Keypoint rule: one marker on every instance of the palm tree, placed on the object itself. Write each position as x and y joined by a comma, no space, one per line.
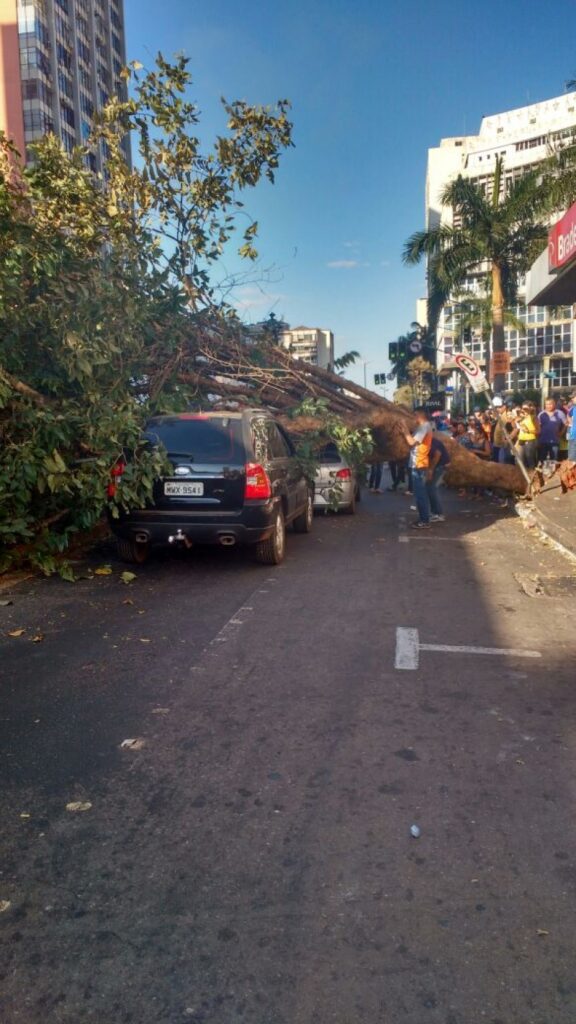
497,235
346,360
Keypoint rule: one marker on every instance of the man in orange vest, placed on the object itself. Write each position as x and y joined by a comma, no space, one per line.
420,443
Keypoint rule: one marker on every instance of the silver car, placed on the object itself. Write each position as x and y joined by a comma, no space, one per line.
336,485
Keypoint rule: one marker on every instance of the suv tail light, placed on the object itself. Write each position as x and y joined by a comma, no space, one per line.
344,474
115,474
257,482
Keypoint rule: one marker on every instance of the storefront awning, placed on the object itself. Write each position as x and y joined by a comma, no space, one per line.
546,289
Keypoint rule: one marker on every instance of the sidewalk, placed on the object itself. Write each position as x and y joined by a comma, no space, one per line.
555,514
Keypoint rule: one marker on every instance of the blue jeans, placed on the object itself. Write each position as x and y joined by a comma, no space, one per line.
421,494
572,450
432,491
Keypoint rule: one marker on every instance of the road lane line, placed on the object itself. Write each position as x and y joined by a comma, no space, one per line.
407,649
505,651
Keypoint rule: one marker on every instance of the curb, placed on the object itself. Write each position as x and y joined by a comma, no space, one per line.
563,539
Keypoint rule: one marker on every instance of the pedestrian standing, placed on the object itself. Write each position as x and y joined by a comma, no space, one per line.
439,460
528,430
397,469
375,477
420,443
571,430
552,423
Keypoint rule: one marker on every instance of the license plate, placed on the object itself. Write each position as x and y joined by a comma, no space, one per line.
181,490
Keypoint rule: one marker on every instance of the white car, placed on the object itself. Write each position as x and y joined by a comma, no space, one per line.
336,484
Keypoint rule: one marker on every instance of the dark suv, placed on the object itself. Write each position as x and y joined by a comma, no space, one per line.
235,480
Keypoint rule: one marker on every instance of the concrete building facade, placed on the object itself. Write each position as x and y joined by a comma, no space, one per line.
313,344
60,62
522,138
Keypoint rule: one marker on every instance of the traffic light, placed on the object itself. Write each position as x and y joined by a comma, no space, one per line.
379,378
393,351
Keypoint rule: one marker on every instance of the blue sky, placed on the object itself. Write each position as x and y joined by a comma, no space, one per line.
373,83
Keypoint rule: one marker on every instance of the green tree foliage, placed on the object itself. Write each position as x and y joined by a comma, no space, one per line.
105,296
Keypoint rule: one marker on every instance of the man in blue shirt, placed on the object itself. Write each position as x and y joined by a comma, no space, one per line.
552,422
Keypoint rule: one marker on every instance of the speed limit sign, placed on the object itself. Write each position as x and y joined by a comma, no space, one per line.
473,371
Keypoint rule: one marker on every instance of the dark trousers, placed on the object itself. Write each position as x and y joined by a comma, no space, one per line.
432,489
397,472
421,494
548,450
375,476
528,453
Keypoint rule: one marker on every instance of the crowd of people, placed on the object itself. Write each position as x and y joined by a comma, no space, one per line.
507,434
520,432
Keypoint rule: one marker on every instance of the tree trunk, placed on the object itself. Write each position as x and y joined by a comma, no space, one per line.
498,339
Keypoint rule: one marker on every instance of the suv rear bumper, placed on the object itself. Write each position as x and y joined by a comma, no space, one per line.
247,526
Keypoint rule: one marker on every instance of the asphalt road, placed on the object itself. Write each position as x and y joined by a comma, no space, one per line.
253,863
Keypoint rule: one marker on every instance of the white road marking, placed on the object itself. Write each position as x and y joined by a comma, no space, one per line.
403,539
408,649
513,652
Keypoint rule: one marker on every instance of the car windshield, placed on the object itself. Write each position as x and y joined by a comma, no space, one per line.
202,440
329,455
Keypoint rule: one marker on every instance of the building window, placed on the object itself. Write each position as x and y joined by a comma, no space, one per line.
67,115
64,56
69,141
37,122
84,52
65,85
565,375
86,105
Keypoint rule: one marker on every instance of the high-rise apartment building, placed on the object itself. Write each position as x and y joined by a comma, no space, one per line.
60,61
522,138
314,344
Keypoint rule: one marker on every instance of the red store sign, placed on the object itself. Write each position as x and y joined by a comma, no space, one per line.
562,241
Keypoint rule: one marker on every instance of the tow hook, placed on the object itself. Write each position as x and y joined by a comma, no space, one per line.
180,538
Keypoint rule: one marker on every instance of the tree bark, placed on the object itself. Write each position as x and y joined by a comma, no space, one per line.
498,338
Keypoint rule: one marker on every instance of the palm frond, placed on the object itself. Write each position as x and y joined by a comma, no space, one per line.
426,243
467,200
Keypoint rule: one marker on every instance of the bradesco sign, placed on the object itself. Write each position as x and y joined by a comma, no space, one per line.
562,241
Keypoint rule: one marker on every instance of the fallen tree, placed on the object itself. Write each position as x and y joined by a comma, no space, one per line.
228,368
108,316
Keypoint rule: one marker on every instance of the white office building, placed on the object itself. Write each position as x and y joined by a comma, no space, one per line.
522,138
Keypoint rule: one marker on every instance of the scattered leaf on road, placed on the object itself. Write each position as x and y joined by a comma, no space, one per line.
127,577
160,711
144,640
135,744
24,814
4,604
4,906
38,638
16,632
542,932
104,570
76,806
128,600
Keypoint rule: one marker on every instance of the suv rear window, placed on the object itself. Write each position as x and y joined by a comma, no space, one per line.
203,440
329,455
